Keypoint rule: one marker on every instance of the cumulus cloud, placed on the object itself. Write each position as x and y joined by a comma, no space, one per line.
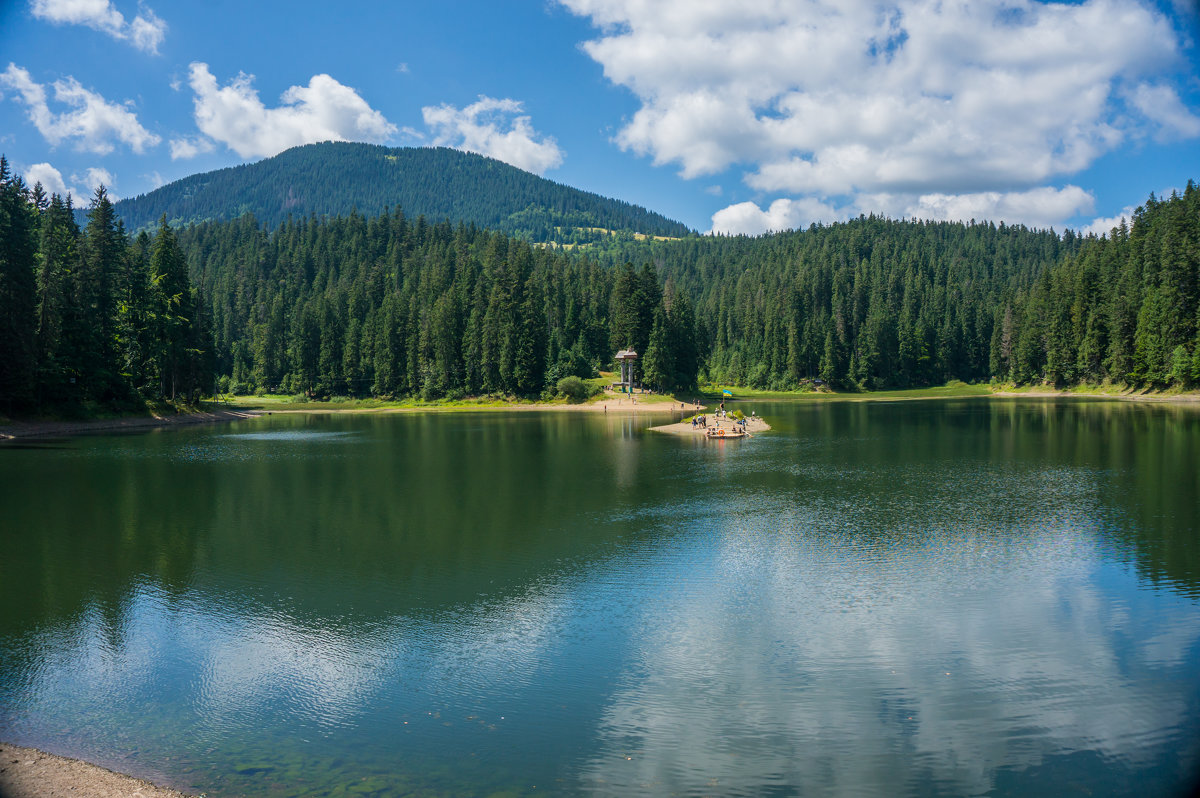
746,218
912,97
50,178
189,147
93,122
80,188
145,32
94,177
1161,105
324,110
1039,208
1103,225
494,128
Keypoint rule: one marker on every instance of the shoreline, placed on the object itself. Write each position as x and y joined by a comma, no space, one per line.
32,773
610,406
1187,397
14,430
21,429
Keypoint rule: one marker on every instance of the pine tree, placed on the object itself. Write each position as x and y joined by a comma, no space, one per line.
18,293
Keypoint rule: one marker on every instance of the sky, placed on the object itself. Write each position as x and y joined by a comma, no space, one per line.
732,116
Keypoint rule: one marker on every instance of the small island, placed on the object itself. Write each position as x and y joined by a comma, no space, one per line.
718,426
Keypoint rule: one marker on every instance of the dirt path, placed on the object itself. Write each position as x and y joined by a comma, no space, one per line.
30,773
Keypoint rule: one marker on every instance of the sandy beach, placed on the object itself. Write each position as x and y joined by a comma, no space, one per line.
30,773
754,424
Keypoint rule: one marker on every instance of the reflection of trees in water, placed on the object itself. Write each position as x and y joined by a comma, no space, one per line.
422,506
1141,462
860,539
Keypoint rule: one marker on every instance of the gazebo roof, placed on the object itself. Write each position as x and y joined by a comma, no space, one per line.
626,354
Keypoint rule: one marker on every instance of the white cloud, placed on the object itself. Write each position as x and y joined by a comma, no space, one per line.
93,122
1037,208
491,127
51,179
189,147
80,188
1103,225
324,110
144,32
93,178
746,218
915,97
1040,208
1161,104
156,180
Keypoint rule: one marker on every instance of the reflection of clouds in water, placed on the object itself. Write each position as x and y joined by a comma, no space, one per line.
252,665
231,669
793,665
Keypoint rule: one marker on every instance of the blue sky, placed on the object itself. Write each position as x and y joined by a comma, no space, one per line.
735,116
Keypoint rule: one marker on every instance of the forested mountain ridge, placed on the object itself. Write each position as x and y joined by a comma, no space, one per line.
397,306
336,178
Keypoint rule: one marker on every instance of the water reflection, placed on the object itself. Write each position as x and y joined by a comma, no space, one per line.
788,666
934,598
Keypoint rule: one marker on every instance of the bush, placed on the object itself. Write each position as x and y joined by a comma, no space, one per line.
573,388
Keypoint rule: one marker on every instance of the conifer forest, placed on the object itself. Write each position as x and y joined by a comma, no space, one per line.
390,305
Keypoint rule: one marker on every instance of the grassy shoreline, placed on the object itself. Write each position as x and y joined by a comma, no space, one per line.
956,390
227,409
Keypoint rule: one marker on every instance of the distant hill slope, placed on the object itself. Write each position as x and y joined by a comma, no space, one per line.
334,178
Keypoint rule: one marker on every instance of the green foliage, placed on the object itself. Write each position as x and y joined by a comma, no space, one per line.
340,178
1121,309
90,319
392,306
573,388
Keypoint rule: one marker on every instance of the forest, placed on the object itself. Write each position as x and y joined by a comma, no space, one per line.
336,178
393,306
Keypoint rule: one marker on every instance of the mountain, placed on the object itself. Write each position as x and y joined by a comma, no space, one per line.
335,178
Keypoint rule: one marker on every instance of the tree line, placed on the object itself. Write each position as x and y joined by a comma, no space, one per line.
89,315
878,303
394,306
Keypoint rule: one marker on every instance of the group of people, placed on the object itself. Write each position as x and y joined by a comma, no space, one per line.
701,422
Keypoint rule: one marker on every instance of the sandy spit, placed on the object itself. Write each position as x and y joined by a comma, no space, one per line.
35,429
754,424
30,773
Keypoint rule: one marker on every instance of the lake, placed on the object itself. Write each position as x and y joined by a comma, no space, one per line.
957,597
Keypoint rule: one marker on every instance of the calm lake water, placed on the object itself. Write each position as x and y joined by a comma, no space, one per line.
921,598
